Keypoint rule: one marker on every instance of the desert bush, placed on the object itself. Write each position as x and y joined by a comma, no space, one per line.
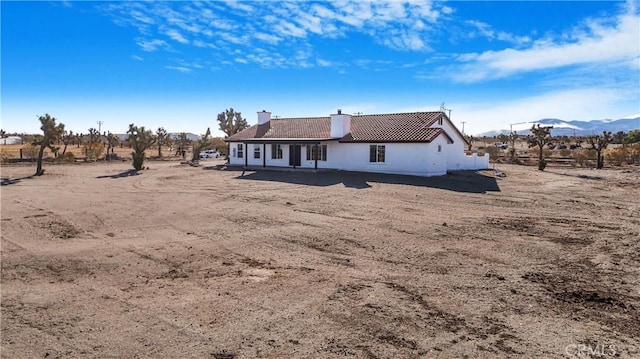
492,151
30,151
624,155
67,157
542,164
93,150
565,152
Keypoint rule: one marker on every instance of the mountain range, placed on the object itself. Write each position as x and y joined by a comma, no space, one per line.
574,128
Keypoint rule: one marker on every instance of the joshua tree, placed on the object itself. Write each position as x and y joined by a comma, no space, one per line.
540,136
66,139
513,136
231,122
599,143
163,139
93,146
52,134
204,142
182,148
140,141
470,140
112,141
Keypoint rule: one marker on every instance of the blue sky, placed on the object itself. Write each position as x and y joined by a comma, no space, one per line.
178,64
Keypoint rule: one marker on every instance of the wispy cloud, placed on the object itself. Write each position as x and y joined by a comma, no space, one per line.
176,36
289,25
597,41
184,70
152,45
137,58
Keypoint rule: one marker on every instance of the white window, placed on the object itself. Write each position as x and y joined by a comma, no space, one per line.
440,121
256,151
317,152
240,150
276,151
376,153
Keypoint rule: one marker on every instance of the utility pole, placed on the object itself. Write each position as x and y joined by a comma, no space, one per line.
99,126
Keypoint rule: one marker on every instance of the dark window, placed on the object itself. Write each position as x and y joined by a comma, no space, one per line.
256,151
276,151
240,150
318,152
376,153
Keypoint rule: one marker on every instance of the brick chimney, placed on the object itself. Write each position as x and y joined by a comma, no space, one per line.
264,117
340,124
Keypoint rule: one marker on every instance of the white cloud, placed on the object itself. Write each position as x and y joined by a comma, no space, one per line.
151,45
184,70
597,42
137,58
176,36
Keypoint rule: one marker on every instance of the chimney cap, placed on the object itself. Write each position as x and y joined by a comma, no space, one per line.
339,111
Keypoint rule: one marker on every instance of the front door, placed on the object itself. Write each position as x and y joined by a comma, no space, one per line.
295,152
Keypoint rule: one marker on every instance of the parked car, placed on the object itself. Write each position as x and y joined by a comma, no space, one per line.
501,145
210,154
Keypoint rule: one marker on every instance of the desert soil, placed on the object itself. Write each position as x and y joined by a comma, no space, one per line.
179,261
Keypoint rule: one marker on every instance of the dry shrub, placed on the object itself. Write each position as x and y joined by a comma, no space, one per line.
628,155
93,151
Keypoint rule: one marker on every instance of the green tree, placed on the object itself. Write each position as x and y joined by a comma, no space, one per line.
140,140
52,134
632,137
540,136
599,143
163,139
231,122
201,144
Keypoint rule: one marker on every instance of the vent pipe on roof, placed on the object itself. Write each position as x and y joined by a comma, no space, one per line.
339,111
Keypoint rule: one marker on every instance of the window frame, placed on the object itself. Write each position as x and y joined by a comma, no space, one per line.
276,151
256,151
377,154
240,151
317,151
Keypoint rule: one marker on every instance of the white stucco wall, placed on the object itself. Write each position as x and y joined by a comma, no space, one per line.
420,159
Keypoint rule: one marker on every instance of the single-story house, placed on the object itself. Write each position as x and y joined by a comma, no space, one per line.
416,143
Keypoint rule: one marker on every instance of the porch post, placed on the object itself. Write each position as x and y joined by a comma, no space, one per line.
264,155
295,147
317,154
246,154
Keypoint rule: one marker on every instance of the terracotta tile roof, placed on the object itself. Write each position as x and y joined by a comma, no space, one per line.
397,127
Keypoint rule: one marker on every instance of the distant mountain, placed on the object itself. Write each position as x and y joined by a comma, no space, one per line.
575,128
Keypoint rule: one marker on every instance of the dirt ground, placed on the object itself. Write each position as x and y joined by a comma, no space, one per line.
198,262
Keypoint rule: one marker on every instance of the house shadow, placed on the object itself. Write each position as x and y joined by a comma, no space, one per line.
459,181
124,174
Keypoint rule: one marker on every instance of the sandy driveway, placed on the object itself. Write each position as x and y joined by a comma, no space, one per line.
182,261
